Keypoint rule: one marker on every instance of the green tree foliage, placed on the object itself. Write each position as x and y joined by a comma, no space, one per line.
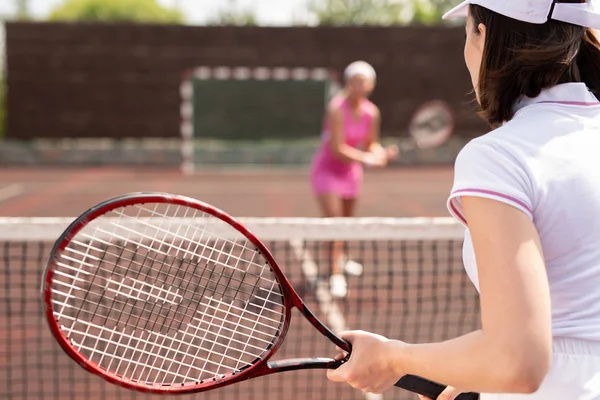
22,7
428,12
357,12
233,14
137,11
378,12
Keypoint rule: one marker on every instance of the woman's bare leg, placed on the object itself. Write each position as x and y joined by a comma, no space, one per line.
347,265
331,207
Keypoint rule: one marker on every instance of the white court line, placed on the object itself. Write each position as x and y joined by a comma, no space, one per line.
10,191
335,318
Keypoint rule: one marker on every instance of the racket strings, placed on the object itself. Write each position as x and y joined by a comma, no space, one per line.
132,261
232,278
162,296
167,295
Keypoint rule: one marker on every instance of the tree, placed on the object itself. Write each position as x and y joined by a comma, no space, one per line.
233,14
22,9
429,12
437,8
139,11
357,12
378,12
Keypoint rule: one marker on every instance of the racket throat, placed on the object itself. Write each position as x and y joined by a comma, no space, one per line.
295,364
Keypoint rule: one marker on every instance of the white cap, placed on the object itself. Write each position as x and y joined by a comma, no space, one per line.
360,68
536,11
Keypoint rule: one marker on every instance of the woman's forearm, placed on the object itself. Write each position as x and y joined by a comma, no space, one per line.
472,363
349,153
375,147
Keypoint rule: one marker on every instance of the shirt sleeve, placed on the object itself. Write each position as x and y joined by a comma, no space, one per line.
486,170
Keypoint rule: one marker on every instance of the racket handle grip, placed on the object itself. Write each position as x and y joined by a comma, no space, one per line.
428,388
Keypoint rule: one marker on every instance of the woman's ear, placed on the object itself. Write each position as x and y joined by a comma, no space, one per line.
481,30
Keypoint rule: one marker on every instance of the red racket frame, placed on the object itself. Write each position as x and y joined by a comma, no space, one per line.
262,366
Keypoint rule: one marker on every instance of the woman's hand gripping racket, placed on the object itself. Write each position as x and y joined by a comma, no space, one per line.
166,294
431,126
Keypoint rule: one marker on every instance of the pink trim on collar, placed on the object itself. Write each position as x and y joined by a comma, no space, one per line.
571,103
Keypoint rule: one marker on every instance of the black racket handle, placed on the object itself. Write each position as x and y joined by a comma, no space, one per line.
412,383
428,388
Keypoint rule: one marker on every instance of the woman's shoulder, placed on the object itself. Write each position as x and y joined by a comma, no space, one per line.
520,133
336,103
506,148
370,108
491,143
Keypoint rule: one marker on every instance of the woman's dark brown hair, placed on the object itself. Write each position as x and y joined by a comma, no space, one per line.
520,59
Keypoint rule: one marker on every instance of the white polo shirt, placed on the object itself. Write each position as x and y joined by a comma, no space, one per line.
546,163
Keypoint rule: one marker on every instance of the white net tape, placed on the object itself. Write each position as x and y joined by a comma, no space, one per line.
49,229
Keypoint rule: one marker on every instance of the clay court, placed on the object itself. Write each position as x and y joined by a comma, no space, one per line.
66,192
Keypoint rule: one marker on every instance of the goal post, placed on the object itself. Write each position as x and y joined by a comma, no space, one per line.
258,103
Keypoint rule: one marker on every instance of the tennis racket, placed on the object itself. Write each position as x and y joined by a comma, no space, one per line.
431,126
165,294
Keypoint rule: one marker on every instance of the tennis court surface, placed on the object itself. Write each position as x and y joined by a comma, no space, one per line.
413,287
402,192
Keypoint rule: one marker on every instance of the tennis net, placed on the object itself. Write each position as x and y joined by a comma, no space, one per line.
412,288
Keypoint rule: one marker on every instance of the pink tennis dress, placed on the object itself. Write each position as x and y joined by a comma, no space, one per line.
330,175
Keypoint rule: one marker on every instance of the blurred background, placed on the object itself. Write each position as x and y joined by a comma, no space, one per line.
223,100
98,83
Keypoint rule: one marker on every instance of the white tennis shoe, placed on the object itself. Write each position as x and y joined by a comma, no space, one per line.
353,268
338,286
